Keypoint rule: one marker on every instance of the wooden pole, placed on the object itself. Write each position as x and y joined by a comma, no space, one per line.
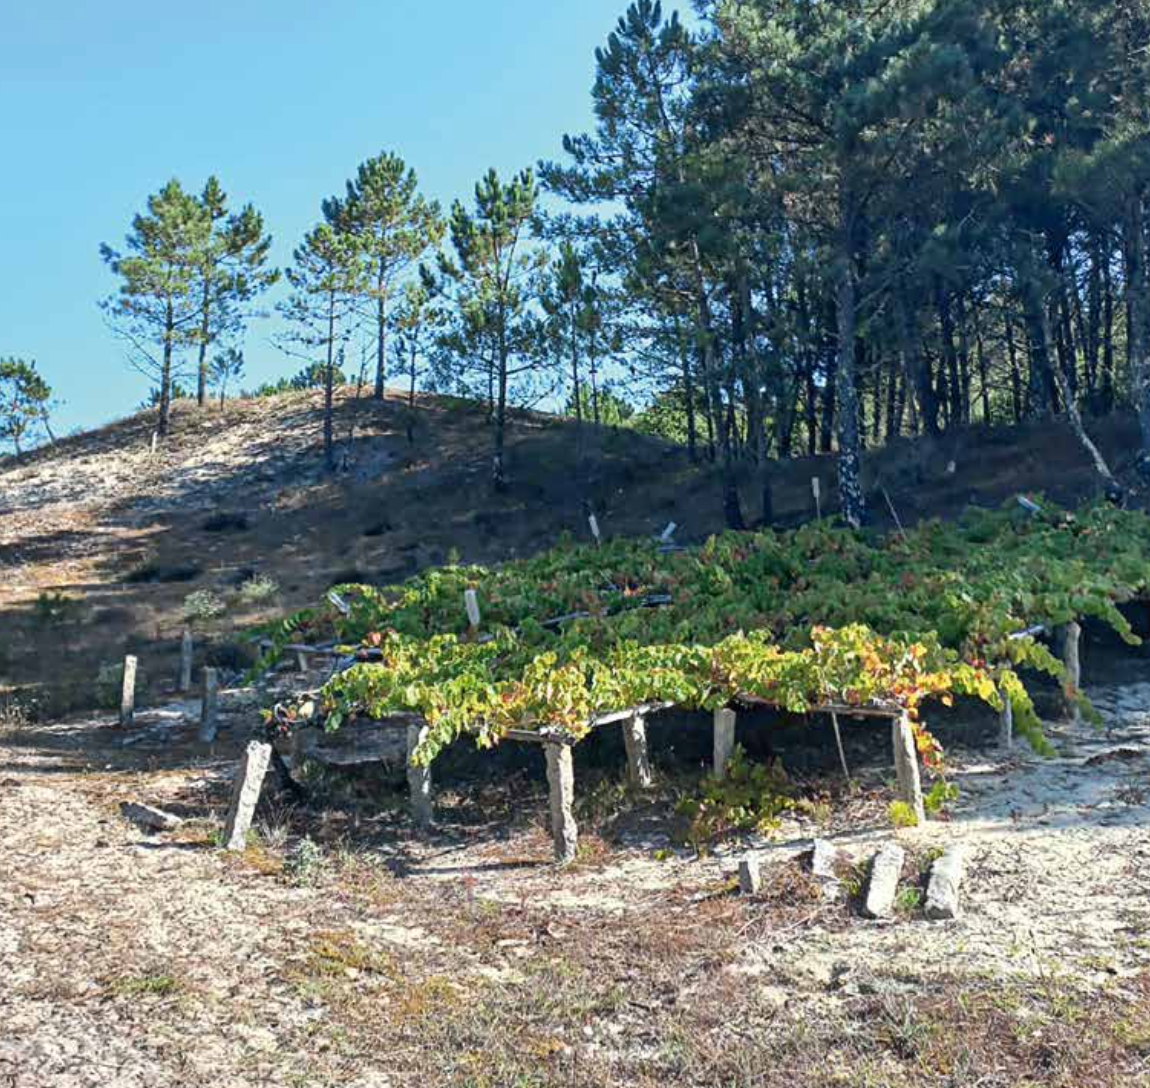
839,742
128,693
187,653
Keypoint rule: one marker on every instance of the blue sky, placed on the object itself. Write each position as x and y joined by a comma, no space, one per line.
100,103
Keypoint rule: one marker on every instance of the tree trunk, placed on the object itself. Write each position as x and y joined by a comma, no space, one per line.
1039,400
165,420
498,478
949,352
850,451
329,388
1138,308
205,329
381,331
732,507
1074,418
1015,372
983,368
688,393
1107,335
917,364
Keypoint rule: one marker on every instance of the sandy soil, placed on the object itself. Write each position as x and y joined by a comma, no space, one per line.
132,959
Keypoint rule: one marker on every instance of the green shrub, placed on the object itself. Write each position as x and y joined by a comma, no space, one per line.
258,589
749,797
203,605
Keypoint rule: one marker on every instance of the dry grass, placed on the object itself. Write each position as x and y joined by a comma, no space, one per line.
653,1001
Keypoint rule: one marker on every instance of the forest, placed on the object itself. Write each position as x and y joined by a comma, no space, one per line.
794,228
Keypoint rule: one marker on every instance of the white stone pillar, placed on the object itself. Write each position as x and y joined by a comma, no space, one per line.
724,740
418,779
128,693
246,794
638,755
906,766
561,780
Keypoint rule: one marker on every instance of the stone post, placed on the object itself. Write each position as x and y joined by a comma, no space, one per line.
209,707
885,872
1006,722
561,780
1071,657
724,740
246,794
418,779
187,649
942,893
638,757
906,766
128,693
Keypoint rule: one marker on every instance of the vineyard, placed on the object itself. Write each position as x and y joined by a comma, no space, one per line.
820,618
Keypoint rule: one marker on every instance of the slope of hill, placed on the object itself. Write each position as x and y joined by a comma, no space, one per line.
102,540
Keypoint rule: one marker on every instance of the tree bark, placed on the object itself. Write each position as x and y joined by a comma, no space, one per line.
1138,334
165,420
329,388
917,364
850,448
381,330
205,330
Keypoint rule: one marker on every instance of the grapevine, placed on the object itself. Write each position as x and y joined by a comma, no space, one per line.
803,619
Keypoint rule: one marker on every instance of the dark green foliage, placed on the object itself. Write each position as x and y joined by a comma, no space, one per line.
25,401
394,227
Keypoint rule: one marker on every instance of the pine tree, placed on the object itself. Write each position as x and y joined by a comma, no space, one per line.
417,321
326,279
25,400
495,273
395,227
231,273
156,309
227,367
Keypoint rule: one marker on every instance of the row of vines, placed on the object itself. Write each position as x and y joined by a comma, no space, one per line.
810,618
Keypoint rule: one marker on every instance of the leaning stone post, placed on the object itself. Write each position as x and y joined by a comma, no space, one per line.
246,794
